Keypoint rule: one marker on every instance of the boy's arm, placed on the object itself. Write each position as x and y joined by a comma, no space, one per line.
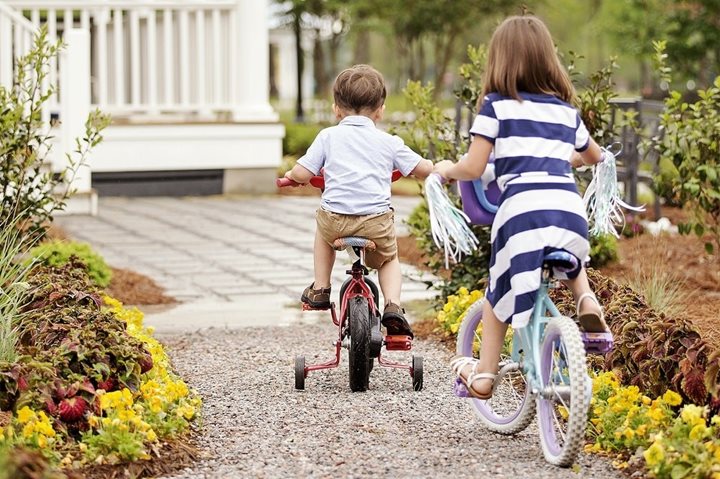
423,169
299,174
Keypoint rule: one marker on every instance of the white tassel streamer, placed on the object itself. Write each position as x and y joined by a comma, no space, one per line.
602,199
448,223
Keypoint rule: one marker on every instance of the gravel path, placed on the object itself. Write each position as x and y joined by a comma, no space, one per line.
256,425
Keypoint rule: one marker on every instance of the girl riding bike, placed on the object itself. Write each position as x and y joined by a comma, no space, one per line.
527,120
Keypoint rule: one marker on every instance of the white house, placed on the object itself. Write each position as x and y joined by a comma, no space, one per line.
186,82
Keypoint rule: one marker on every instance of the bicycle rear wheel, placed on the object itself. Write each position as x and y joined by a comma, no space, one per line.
510,409
359,355
564,400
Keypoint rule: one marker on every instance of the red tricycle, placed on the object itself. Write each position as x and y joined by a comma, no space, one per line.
359,320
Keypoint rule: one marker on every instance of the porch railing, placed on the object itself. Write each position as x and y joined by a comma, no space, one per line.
162,56
16,35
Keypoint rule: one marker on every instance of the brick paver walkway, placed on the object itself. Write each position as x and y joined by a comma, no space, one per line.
237,252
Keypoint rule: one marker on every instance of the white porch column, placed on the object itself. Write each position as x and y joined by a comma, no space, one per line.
75,108
252,67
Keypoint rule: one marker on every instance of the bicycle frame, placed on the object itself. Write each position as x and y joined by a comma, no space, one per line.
356,287
527,340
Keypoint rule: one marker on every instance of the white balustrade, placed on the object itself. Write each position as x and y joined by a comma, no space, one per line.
165,56
15,40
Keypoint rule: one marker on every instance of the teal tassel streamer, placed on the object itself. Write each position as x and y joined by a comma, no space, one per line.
602,199
448,223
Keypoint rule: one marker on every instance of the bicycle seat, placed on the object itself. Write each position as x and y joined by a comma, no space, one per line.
355,242
562,261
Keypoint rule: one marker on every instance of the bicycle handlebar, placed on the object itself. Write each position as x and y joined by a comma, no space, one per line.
319,181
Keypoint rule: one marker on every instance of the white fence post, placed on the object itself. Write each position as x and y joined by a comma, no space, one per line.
75,91
252,52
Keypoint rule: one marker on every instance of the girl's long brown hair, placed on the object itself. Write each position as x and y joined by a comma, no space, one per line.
522,58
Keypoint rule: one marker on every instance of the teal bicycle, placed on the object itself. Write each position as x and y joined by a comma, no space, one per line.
545,372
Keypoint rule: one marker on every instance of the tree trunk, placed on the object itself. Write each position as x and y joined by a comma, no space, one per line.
444,48
297,30
361,52
319,70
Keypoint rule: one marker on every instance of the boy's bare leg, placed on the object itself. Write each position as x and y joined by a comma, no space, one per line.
493,336
390,278
324,259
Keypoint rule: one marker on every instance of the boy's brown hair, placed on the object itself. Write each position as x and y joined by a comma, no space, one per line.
522,58
359,88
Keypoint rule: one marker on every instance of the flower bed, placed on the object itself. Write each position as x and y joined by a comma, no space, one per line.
90,385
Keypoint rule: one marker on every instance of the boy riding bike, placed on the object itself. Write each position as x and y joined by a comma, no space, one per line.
357,160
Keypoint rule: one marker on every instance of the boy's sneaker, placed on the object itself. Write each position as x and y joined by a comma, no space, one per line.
394,321
316,298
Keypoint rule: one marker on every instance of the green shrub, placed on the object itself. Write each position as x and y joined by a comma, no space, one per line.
299,137
12,288
603,250
691,141
58,253
32,191
433,135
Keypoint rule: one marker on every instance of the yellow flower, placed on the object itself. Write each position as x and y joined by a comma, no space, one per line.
25,414
693,415
654,454
672,398
698,432
151,436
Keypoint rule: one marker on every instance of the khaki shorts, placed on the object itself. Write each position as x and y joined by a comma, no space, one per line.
379,227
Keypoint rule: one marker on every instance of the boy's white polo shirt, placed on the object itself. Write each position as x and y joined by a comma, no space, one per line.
358,160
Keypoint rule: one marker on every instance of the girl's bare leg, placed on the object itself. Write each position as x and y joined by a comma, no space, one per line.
493,336
579,286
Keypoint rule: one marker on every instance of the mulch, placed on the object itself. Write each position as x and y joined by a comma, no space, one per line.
133,288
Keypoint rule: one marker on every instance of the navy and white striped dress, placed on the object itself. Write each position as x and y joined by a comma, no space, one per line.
540,208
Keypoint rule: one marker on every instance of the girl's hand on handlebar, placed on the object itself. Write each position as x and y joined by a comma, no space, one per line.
442,168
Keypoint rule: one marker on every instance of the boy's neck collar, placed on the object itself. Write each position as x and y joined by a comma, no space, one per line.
360,120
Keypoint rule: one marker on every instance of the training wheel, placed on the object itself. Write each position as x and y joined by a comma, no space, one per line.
300,372
417,372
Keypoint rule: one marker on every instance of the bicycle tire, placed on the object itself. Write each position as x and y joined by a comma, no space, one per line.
567,386
511,409
359,352
300,372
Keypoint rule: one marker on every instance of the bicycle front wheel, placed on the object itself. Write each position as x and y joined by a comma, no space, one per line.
510,409
564,400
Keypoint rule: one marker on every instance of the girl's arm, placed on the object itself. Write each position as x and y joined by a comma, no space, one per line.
591,156
471,166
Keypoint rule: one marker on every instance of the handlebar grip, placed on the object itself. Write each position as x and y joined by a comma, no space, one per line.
280,182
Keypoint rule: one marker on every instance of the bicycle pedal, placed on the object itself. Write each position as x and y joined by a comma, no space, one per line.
597,343
460,390
307,307
398,343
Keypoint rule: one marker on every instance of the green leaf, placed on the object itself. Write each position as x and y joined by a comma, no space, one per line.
679,471
709,248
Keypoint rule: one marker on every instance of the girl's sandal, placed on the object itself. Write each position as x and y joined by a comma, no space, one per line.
458,363
596,334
